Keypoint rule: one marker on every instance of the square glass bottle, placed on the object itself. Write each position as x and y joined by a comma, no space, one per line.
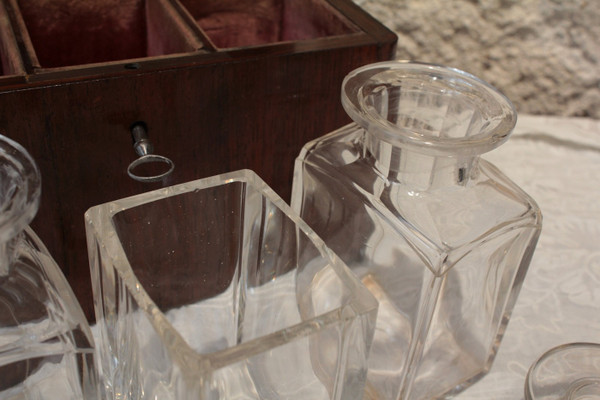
440,236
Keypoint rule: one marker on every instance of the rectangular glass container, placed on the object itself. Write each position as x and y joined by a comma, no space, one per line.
214,289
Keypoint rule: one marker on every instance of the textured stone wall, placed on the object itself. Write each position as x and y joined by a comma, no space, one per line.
543,54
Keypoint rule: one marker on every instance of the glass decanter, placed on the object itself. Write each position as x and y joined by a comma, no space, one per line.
440,236
46,347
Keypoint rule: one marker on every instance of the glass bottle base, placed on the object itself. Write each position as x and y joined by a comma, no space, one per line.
567,372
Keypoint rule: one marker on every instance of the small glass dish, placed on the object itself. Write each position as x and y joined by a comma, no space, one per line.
215,289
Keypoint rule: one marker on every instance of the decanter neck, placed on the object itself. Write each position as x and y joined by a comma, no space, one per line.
426,125
20,188
418,171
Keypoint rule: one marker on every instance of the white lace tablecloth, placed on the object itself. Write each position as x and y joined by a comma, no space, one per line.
556,161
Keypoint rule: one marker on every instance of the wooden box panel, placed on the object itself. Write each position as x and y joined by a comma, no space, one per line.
209,109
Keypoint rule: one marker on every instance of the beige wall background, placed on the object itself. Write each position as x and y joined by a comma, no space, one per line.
543,54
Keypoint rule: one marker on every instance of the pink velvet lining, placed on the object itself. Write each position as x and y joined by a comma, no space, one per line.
72,32
238,23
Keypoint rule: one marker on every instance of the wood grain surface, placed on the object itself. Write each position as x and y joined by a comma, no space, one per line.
210,111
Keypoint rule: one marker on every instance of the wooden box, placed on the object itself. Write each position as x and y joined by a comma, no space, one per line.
221,85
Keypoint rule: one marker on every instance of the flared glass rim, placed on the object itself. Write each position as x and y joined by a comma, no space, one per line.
99,217
21,202
530,390
489,137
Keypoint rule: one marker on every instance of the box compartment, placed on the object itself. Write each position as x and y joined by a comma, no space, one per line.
63,33
241,23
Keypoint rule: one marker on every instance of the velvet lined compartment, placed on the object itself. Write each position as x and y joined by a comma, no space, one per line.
239,23
71,32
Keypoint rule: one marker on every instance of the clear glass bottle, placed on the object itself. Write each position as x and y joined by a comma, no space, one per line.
46,347
214,290
440,236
